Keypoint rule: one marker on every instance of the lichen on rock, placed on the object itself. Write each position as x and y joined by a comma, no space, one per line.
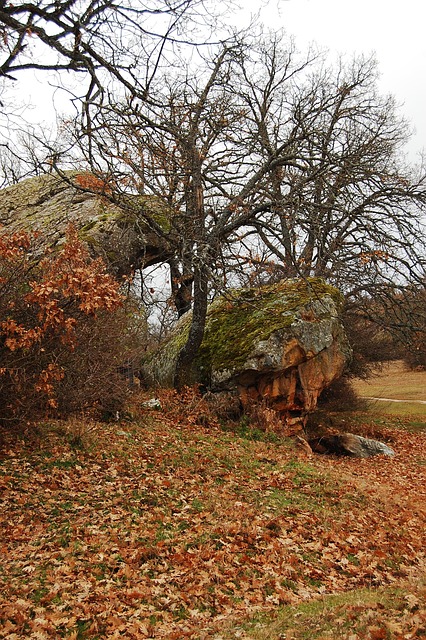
283,343
117,230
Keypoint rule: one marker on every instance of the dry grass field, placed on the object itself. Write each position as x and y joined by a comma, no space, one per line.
395,382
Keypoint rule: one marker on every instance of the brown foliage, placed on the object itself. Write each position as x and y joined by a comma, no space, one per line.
64,330
170,529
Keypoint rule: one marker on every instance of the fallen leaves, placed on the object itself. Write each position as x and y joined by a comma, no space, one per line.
168,529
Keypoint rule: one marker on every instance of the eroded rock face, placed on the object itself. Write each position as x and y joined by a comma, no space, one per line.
283,343
115,231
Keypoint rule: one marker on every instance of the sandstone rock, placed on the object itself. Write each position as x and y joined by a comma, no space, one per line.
349,444
118,232
282,343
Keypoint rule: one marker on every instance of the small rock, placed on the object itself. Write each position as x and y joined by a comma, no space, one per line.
349,444
154,403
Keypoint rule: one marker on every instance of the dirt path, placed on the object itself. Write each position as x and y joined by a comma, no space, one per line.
393,400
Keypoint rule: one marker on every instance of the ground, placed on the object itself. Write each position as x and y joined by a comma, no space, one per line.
393,384
167,524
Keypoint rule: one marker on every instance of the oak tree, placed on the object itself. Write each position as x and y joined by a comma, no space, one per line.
267,160
122,42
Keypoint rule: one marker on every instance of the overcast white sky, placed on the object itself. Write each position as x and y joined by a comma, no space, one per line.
392,29
395,30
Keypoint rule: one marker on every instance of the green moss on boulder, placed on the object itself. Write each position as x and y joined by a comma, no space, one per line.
237,324
253,332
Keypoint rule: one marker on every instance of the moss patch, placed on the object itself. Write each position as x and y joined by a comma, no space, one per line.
159,212
237,322
51,202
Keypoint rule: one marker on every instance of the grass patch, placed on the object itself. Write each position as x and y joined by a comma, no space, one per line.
371,424
363,613
245,430
394,381
398,408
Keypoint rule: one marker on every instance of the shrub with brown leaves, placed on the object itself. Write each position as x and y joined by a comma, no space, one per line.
65,329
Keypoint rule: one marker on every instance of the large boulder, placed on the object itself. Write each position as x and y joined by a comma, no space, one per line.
118,231
282,344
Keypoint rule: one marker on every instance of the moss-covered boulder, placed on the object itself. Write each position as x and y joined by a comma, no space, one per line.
282,343
119,232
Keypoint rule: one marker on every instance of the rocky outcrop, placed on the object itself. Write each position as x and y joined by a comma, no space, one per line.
120,232
349,444
282,344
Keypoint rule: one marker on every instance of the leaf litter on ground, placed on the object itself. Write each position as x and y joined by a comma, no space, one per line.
165,528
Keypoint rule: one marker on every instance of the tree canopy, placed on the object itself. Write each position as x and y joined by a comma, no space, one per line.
105,40
274,163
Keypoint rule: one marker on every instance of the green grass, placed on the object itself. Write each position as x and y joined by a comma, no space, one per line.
362,613
397,408
395,382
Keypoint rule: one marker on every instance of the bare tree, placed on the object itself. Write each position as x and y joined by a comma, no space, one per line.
103,39
261,148
93,50
347,208
163,146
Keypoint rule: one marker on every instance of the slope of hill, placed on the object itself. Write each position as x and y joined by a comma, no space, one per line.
169,526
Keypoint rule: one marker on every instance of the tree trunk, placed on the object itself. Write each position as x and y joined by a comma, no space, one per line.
196,212
189,351
181,285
